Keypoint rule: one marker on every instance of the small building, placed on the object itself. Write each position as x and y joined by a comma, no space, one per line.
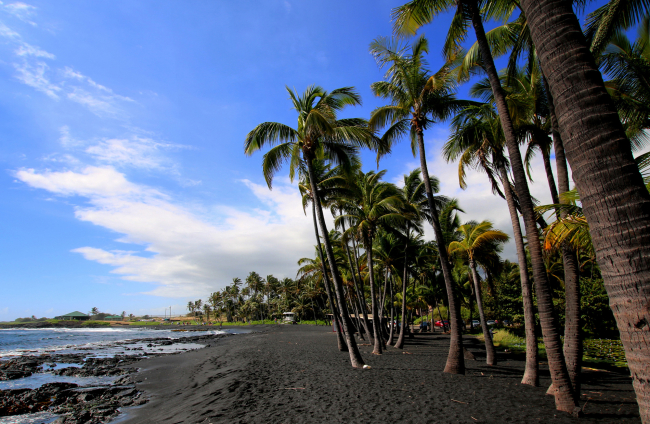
113,318
73,316
289,317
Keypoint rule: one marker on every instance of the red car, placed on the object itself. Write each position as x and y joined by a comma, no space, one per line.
439,323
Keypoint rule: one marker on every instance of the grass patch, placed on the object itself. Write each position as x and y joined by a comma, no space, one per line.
596,351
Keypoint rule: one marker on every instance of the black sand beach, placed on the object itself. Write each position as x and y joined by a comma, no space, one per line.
295,374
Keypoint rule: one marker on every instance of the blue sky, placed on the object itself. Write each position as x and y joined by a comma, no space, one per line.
124,183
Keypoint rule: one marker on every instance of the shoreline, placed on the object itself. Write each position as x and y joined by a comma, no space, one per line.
296,374
87,385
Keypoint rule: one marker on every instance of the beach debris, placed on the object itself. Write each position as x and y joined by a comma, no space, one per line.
367,367
454,400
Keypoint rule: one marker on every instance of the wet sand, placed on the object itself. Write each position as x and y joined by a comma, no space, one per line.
295,374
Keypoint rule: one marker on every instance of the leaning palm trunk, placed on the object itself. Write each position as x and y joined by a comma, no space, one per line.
489,346
455,359
614,198
376,324
573,348
531,375
343,347
565,399
355,355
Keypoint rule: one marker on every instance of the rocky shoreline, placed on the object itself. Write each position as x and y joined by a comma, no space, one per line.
75,403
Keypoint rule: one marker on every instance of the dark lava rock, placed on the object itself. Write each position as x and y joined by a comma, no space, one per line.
18,368
78,404
25,401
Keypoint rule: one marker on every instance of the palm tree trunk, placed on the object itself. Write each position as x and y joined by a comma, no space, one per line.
549,176
489,346
392,314
355,355
573,348
356,288
531,374
376,326
362,299
343,347
565,399
400,339
455,359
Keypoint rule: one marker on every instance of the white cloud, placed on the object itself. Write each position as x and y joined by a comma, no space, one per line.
94,182
32,71
185,252
22,11
33,74
25,49
7,32
98,105
135,151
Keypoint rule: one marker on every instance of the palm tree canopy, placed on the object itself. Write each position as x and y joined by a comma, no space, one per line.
476,236
319,133
417,97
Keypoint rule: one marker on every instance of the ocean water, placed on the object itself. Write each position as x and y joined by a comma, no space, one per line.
102,341
93,343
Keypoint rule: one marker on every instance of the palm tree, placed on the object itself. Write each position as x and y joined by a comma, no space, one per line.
216,301
416,206
206,311
191,307
475,238
615,200
410,17
378,204
328,183
319,134
387,252
418,100
478,143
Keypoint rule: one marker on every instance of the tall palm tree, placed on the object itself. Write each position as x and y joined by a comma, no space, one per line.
379,204
418,99
328,184
477,142
320,133
515,36
410,17
615,200
416,208
475,238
